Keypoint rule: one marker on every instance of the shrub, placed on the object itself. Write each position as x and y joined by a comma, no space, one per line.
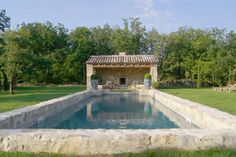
147,76
155,85
94,77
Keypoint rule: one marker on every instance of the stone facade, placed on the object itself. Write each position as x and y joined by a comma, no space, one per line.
153,72
89,72
114,74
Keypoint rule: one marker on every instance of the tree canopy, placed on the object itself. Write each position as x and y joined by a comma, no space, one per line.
44,53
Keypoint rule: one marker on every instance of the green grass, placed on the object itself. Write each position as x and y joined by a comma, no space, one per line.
220,100
25,96
162,153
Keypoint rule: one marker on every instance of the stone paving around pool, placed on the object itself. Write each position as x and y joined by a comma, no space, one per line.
89,142
216,129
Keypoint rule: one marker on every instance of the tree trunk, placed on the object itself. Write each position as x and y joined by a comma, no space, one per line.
198,77
46,77
84,74
229,76
11,87
179,70
5,82
0,85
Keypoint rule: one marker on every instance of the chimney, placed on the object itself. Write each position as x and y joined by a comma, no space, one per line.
122,53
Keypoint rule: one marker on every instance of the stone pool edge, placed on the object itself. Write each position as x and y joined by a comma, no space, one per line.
201,115
113,141
26,116
100,141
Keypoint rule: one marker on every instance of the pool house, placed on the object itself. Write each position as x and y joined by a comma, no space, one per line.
115,71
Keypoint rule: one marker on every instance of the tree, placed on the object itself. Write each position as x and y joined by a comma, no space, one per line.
4,21
204,56
120,39
44,53
131,38
102,40
173,50
137,43
81,47
41,44
152,41
231,56
59,53
4,24
14,58
47,45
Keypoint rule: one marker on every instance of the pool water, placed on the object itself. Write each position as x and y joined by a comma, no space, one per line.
115,111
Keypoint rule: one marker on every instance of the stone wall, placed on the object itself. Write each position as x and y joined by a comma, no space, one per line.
153,72
113,74
89,72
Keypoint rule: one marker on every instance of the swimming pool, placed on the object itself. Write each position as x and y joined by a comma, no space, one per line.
56,126
115,111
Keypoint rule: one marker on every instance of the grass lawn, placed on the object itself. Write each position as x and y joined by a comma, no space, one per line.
171,153
25,96
220,100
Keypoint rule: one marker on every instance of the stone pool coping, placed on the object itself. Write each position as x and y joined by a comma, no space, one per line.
219,129
201,115
26,116
99,141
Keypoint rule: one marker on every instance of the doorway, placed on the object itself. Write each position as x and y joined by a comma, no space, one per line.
122,81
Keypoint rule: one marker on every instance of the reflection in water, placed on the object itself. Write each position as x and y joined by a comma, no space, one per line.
116,111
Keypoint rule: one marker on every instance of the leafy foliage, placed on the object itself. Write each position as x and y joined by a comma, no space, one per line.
203,56
147,76
155,85
43,53
94,77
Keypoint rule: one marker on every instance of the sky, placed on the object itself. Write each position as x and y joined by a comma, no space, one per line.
164,15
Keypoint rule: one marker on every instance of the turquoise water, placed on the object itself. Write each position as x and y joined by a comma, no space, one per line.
113,112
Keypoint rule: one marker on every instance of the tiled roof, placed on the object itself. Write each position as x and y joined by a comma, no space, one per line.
122,59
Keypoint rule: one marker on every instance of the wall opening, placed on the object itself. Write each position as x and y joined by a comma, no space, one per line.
122,81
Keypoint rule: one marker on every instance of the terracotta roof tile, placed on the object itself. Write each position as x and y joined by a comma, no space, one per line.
122,59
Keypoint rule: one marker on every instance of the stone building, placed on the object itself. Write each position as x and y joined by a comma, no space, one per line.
122,69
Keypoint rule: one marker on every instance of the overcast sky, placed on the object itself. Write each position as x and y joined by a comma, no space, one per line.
165,15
